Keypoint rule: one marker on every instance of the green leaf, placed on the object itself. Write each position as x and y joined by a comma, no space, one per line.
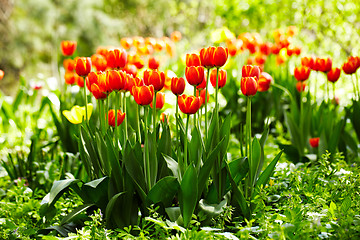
346,205
164,191
76,214
188,193
225,134
263,139
97,191
212,210
212,134
267,173
58,188
195,148
238,169
355,116
206,168
239,196
255,160
173,166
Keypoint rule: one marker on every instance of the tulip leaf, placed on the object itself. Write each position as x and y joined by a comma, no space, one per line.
164,191
195,148
188,193
116,172
255,159
96,191
238,169
173,166
225,134
239,195
267,173
76,214
58,188
355,116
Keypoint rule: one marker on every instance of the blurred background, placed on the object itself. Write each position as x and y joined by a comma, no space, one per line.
31,31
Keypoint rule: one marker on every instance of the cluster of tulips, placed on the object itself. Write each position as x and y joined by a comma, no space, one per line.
325,65
259,51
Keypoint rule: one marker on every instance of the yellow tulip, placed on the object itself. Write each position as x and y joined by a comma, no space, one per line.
77,114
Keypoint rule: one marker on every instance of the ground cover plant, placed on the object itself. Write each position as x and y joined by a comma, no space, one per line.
247,136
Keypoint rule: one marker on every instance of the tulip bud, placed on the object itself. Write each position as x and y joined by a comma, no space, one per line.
177,85
333,75
189,104
116,58
194,75
314,142
83,66
264,82
249,86
111,117
68,47
302,73
221,78
143,95
160,100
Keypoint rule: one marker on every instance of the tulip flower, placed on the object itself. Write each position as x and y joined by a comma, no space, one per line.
71,78
194,75
176,36
103,82
160,100
83,66
69,64
300,86
77,114
214,56
80,81
265,48
249,86
251,71
202,96
153,63
68,47
308,62
264,82
98,94
349,67
189,104
177,85
143,95
323,64
116,80
116,58
221,78
314,142
1,74
99,61
193,60
333,75
155,78
126,42
131,69
111,117
302,73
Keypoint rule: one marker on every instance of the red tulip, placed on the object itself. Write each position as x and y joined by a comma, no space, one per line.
193,60
314,142
111,117
221,78
265,48
102,51
153,63
116,58
264,82
143,95
155,78
68,47
1,74
202,85
250,71
189,104
80,81
95,90
206,57
308,62
160,100
249,86
300,86
103,82
91,78
177,85
116,80
70,78
351,65
69,64
131,69
323,64
83,66
99,61
275,49
194,75
302,73
202,96
334,74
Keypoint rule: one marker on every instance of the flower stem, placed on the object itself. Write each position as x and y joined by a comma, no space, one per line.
138,123
206,93
186,140
154,112
116,118
126,122
86,102
195,113
248,132
216,95
146,152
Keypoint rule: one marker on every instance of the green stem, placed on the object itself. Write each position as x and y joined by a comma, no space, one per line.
334,91
186,140
116,118
126,122
195,113
316,79
106,109
146,152
248,133
301,120
86,102
138,123
177,133
154,112
100,115
285,90
216,95
206,93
